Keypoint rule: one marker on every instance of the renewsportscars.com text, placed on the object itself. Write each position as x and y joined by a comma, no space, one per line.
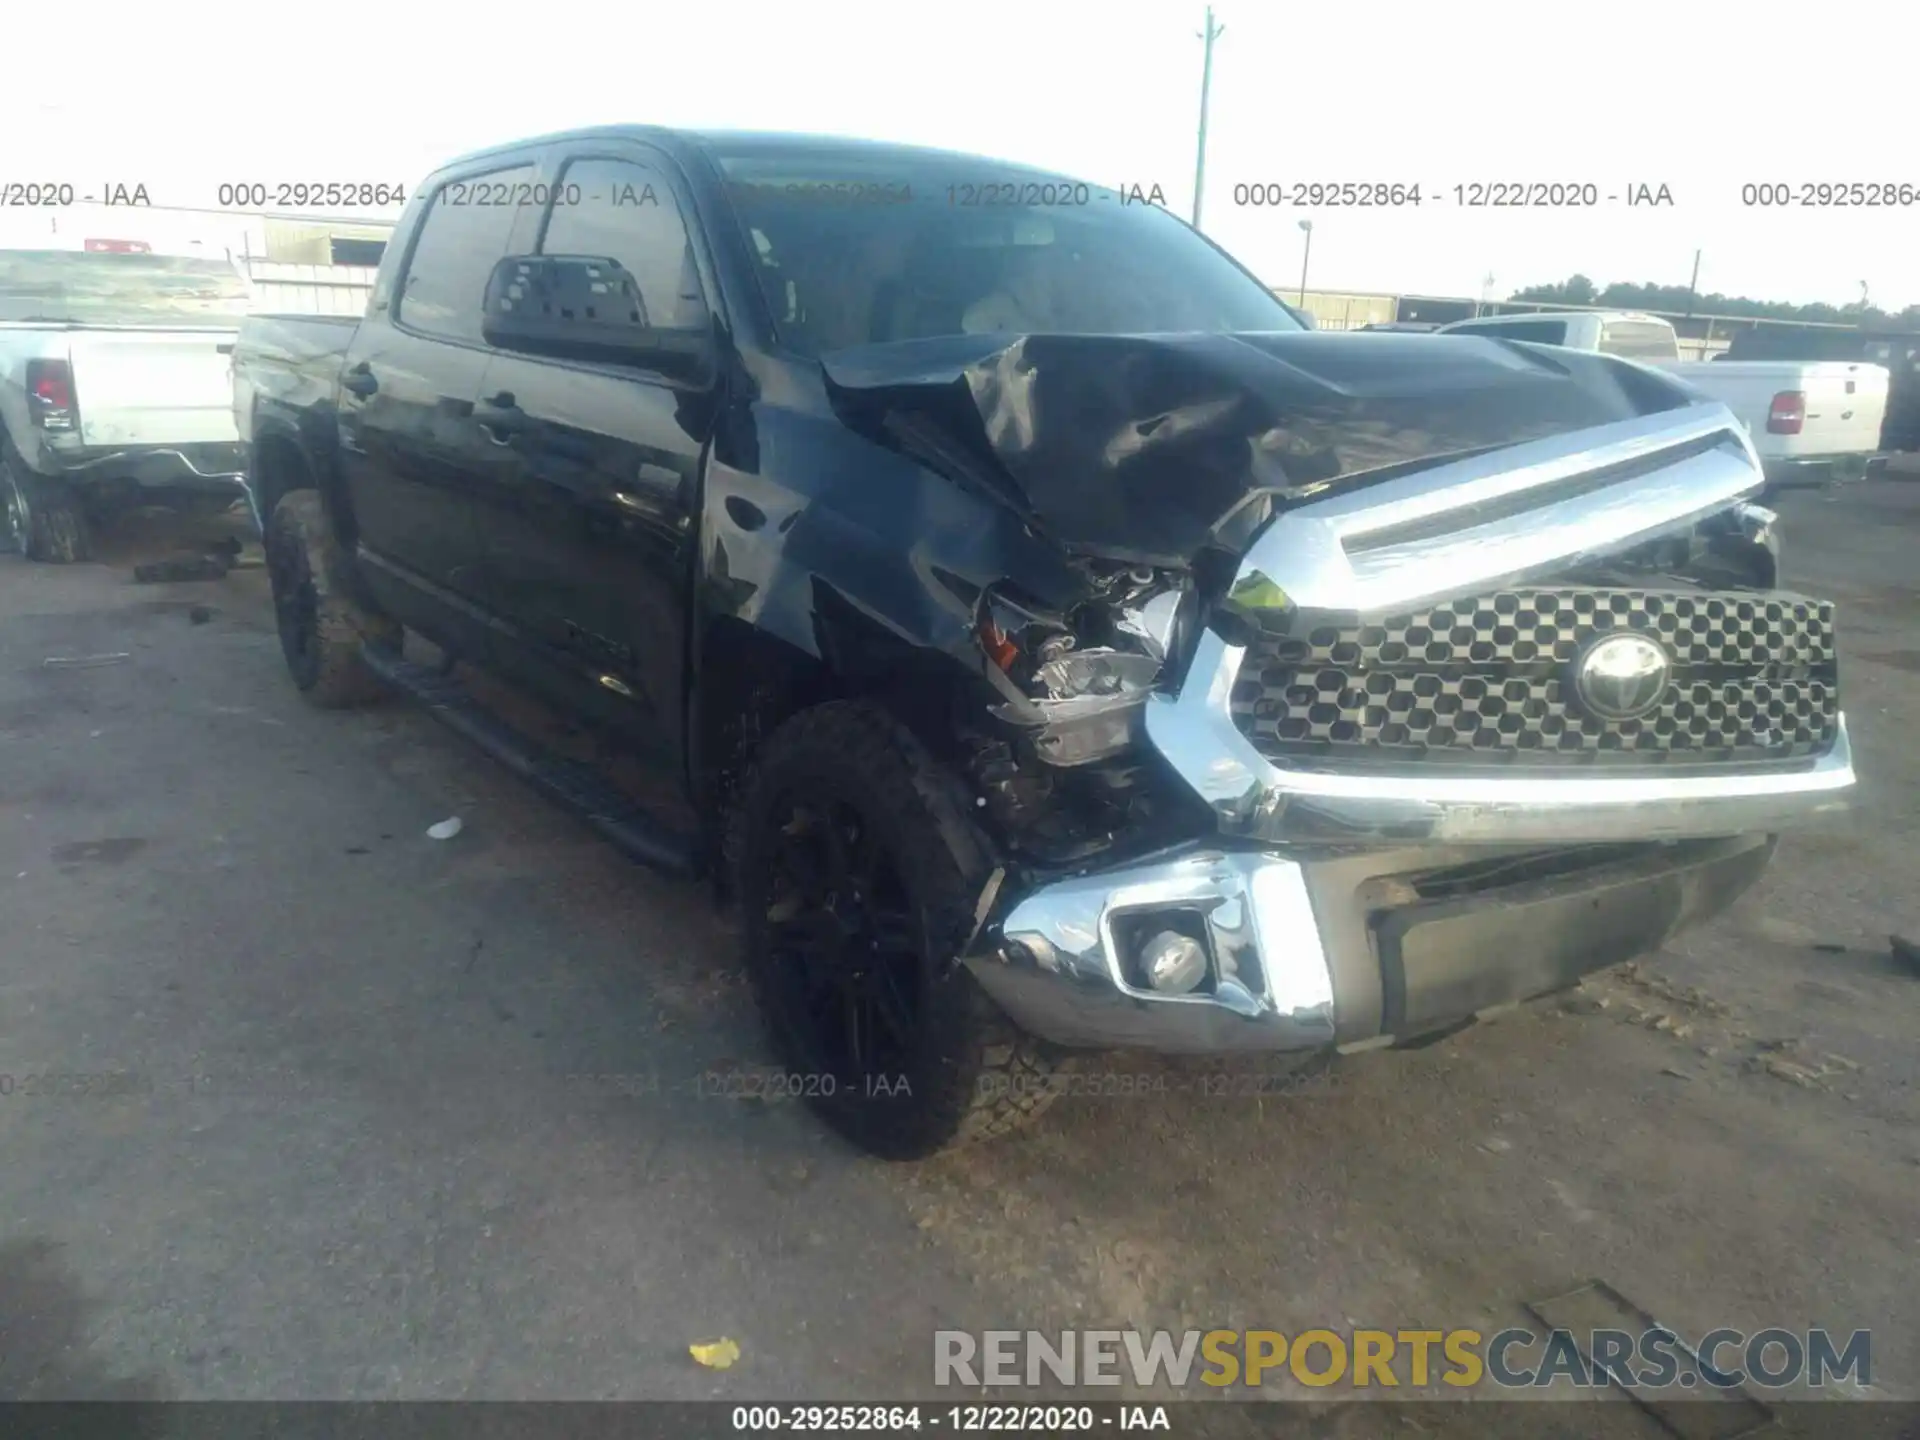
1655,1358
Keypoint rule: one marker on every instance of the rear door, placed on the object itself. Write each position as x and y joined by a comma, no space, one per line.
410,449
154,387
589,529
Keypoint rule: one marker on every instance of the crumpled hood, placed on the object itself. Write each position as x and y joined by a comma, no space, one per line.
1139,447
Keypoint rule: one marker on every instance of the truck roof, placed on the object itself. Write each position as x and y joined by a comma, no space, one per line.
764,142
1520,316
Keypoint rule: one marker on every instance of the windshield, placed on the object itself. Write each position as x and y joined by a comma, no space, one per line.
857,248
94,288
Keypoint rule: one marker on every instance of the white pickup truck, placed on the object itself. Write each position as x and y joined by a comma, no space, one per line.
114,385
1809,420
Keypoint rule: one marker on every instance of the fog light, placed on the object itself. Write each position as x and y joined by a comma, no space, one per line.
1173,963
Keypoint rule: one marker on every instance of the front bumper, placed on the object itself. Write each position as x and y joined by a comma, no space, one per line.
1343,950
1345,907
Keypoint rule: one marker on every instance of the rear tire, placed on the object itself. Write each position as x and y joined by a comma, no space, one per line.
858,877
321,628
46,520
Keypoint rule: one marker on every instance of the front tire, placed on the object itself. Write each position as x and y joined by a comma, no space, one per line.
321,628
45,519
858,876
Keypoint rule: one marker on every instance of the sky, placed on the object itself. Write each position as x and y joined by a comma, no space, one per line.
1699,96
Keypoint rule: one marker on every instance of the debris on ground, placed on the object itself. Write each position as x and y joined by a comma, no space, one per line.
183,568
84,662
446,829
200,614
1583,1004
1906,951
715,1354
1689,997
1791,1061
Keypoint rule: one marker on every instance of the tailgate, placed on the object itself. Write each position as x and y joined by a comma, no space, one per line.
1846,404
154,387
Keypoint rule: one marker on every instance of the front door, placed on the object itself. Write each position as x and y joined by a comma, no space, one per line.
589,523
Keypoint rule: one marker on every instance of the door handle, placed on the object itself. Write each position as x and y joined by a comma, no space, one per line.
359,380
503,419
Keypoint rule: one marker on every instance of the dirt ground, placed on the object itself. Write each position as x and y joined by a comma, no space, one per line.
363,1161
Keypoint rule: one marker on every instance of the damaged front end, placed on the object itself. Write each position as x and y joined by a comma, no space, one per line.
1408,680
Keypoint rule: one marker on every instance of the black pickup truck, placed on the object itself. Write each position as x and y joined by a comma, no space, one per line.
1062,648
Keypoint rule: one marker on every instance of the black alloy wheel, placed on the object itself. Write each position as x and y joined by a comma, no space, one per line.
845,945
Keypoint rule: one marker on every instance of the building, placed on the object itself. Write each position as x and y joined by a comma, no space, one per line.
322,242
1701,337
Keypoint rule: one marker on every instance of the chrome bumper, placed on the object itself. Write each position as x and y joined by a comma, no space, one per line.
1312,946
1338,950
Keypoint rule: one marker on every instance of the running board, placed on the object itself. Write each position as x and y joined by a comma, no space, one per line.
635,831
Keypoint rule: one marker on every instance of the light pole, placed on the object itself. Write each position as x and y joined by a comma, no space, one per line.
1210,34
1307,227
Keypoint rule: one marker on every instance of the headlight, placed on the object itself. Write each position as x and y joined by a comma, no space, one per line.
1096,675
1078,682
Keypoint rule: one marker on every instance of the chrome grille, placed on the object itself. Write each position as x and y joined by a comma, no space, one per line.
1489,679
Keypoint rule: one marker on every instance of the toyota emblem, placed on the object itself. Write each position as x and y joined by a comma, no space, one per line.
1622,676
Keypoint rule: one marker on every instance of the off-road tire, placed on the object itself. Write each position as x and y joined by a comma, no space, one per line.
322,630
57,532
975,1075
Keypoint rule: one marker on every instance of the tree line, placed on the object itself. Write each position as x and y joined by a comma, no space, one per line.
1579,290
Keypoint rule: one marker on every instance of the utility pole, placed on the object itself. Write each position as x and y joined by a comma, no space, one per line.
1693,285
1209,35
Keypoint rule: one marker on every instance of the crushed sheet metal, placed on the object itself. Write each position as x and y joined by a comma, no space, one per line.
1707,1413
1145,447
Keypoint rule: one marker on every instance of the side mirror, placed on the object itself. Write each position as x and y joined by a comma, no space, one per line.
585,307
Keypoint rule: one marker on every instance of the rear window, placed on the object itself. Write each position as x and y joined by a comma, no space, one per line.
1536,332
103,288
1638,340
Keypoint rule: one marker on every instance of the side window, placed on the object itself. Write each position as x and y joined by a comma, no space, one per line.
1640,340
626,212
463,236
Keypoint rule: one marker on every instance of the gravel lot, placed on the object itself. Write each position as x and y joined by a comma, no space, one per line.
361,1159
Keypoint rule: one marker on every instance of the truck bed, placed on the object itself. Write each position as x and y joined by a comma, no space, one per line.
287,360
139,385
1846,402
